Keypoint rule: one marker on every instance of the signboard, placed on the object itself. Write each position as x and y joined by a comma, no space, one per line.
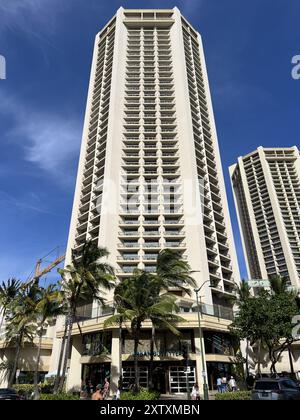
259,283
168,353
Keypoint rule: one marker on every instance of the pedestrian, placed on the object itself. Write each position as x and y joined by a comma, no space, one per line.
224,384
219,384
196,392
84,391
106,388
97,396
232,384
90,387
118,394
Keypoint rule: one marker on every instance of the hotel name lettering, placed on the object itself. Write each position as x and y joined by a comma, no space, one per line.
167,353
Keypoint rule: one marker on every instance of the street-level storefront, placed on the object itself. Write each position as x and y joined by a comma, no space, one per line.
168,377
217,370
95,374
100,353
171,373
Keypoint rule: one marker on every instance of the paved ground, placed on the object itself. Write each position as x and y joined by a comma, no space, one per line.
183,397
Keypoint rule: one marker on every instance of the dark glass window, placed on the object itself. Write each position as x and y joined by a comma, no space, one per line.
219,343
97,344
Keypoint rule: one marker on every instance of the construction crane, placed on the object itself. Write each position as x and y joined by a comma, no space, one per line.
39,272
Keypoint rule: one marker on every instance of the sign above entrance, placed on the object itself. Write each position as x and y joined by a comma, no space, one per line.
167,353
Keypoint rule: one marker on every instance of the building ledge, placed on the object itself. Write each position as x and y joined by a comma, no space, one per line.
191,322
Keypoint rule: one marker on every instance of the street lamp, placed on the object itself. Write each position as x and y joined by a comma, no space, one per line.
199,311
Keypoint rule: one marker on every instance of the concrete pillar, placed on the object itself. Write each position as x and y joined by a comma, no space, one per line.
74,375
115,371
199,367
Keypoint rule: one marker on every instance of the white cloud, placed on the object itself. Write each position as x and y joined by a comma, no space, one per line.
49,141
27,202
52,141
17,13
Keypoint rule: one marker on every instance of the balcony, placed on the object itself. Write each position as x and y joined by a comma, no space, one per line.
151,222
129,233
150,257
152,233
129,245
215,310
129,257
175,245
151,245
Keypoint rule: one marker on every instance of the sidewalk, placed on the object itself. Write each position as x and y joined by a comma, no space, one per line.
183,397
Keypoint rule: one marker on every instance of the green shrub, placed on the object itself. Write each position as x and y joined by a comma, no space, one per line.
56,397
27,389
144,395
24,389
234,396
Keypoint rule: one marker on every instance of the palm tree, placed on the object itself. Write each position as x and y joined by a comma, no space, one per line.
243,294
138,299
21,323
171,272
278,284
85,279
48,307
8,291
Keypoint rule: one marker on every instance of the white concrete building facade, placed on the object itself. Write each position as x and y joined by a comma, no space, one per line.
150,178
266,186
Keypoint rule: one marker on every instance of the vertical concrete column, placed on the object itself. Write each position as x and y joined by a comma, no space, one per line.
199,367
115,372
74,375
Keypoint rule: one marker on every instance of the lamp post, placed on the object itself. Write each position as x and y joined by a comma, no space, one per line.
199,311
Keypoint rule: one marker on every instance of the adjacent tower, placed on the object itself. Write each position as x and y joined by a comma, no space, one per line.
266,185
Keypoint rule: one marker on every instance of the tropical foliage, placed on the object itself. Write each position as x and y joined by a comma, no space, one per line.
86,279
145,296
266,319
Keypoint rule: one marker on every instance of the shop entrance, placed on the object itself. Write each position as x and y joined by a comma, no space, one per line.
216,370
180,378
160,377
95,374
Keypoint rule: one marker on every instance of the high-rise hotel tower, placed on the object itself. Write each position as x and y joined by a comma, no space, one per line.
266,185
150,178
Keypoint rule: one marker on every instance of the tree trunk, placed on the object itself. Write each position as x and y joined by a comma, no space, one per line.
291,360
247,358
259,358
61,355
67,351
136,362
151,385
273,360
2,319
38,358
16,362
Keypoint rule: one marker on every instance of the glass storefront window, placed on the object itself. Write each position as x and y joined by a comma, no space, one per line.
97,344
219,343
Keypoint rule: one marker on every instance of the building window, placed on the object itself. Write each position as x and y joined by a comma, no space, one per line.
97,344
219,343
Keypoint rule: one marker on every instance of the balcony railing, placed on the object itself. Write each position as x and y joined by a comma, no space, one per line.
216,311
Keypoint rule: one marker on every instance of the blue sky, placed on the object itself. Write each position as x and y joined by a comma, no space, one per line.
48,47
